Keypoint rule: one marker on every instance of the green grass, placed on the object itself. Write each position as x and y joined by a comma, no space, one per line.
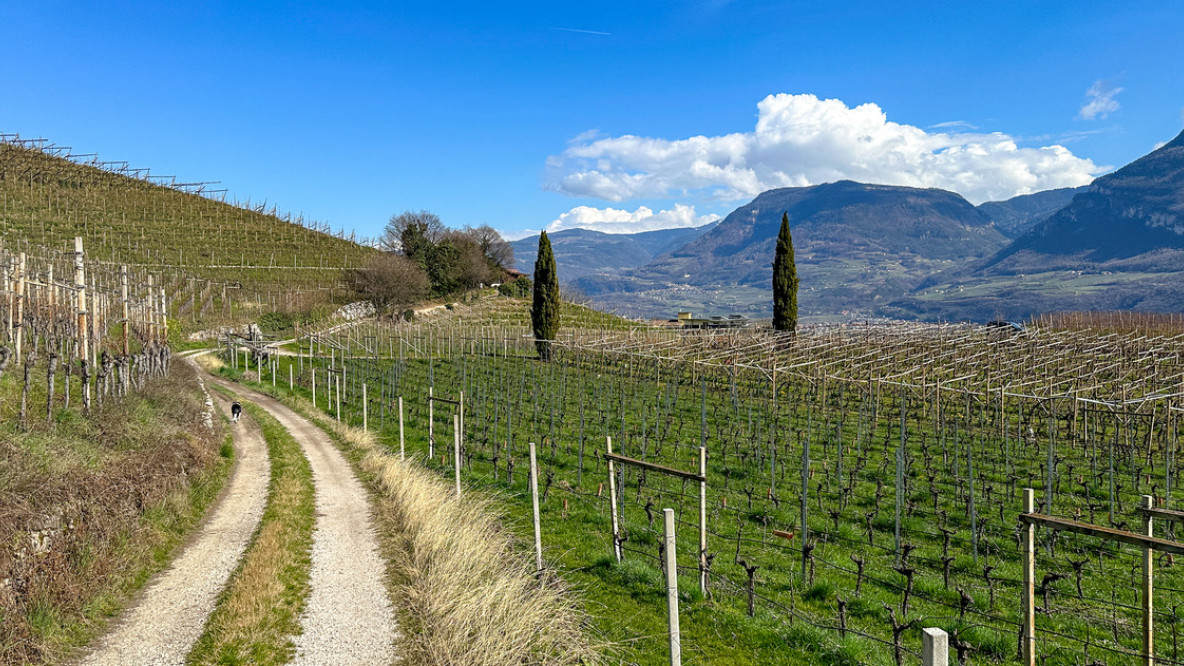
259,611
796,621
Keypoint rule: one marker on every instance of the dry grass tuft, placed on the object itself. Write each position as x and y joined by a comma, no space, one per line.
470,594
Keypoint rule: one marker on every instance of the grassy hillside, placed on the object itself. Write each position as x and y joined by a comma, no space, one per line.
270,262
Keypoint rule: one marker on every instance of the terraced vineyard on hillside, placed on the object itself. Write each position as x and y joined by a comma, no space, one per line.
217,259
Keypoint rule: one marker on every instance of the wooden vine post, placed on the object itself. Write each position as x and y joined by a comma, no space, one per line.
151,307
20,302
80,287
127,349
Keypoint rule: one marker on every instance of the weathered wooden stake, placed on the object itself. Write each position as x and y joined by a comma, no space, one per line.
672,589
612,500
127,349
1029,590
20,298
534,500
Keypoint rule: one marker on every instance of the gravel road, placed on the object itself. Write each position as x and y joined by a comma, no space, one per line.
172,610
349,618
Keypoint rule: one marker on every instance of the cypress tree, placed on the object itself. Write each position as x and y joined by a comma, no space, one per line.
785,281
544,311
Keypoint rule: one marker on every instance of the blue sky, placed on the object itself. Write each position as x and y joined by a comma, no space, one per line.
527,115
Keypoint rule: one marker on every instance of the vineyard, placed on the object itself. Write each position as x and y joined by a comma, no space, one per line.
862,482
219,262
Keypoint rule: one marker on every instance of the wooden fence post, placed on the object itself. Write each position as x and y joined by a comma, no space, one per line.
1029,590
1148,587
456,451
534,500
127,349
672,589
20,300
612,500
935,647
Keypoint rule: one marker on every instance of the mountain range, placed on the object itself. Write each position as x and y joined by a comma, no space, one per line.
580,252
867,250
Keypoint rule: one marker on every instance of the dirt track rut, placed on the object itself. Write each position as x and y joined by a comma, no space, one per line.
172,610
348,618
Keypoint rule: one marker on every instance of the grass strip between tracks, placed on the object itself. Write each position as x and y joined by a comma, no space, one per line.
259,611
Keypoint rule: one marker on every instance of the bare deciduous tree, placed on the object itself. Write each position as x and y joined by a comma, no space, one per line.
412,226
390,281
496,249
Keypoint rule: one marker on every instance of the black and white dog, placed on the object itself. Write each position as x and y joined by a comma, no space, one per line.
236,410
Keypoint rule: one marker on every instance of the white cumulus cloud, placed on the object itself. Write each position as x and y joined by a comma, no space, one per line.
802,140
1099,101
615,221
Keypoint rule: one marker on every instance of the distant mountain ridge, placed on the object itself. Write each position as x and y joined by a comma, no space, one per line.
581,252
1119,245
1017,215
857,245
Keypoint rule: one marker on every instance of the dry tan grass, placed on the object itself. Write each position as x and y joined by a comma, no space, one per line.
470,595
91,507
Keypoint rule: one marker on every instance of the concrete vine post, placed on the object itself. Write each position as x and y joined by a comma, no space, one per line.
1148,591
534,501
1029,588
703,521
612,500
456,450
672,588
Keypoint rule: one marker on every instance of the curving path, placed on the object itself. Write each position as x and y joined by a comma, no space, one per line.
348,618
172,610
